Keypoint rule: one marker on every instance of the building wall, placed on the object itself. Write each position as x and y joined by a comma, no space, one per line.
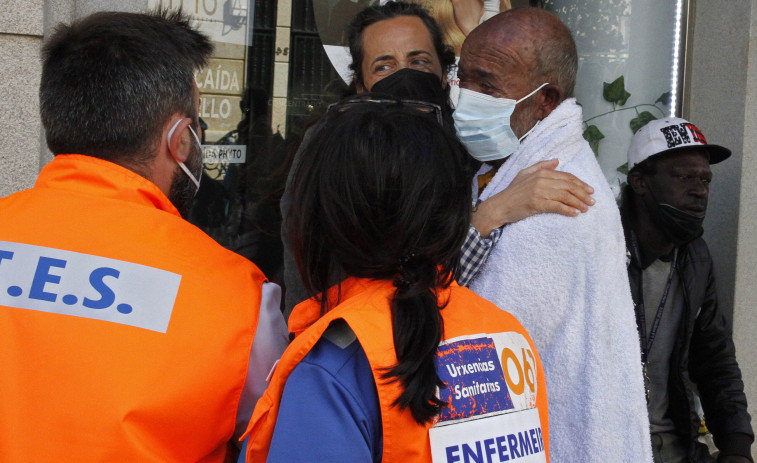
22,25
745,317
723,103
21,29
716,104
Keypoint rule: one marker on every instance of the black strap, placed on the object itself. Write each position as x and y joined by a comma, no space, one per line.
641,318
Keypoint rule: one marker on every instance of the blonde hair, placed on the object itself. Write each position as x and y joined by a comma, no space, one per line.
444,14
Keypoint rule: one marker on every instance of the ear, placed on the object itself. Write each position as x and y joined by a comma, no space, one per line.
636,181
178,140
359,87
548,98
170,150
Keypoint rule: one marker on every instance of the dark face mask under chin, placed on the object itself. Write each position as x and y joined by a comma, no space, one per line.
680,227
411,84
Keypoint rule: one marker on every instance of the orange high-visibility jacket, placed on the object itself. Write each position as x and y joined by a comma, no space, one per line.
125,331
364,306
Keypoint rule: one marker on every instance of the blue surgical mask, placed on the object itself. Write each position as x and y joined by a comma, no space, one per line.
195,180
482,123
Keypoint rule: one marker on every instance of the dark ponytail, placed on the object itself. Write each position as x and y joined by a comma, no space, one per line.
417,327
382,192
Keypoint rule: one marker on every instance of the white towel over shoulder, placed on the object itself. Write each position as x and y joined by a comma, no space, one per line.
565,279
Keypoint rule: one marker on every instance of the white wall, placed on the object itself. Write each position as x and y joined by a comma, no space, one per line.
723,105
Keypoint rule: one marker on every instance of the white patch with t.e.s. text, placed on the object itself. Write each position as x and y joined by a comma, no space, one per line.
71,283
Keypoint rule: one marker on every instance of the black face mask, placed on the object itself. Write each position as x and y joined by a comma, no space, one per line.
411,84
680,227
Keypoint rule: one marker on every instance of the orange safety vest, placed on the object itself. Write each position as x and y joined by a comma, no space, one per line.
364,306
125,331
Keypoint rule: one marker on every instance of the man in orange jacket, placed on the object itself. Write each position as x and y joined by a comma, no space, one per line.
126,333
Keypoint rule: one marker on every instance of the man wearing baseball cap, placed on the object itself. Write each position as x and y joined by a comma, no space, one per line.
685,340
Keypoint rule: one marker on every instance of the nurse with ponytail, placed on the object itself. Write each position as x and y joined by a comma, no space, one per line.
395,362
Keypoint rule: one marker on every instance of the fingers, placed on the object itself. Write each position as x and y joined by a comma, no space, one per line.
554,185
562,209
568,181
536,189
578,196
560,201
546,170
548,165
558,192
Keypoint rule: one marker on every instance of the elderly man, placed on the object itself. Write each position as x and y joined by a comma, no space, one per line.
126,333
684,335
398,50
563,278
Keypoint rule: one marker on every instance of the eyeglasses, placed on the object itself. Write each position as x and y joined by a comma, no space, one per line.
423,107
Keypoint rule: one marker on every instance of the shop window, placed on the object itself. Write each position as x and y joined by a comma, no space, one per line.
631,69
278,63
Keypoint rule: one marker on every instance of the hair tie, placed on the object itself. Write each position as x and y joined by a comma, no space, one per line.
401,282
406,258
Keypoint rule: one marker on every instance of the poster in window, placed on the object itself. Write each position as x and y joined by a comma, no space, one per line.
456,18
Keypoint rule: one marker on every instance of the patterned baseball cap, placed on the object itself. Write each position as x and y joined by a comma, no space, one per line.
671,134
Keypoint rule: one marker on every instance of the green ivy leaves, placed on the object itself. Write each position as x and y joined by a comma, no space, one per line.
616,92
641,120
664,99
593,135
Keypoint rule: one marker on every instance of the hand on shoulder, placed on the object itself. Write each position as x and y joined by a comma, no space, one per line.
536,189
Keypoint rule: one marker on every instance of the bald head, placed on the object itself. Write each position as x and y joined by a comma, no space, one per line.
540,39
